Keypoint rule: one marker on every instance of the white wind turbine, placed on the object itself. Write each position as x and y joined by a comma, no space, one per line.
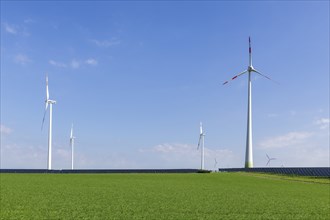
250,69
50,102
201,142
269,159
72,145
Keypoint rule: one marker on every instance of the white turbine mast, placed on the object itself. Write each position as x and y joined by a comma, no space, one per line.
250,69
72,146
269,159
201,143
50,102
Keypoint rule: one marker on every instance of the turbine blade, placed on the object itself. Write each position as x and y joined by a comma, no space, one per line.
71,133
199,141
235,77
250,53
267,162
267,156
47,92
43,119
266,77
200,128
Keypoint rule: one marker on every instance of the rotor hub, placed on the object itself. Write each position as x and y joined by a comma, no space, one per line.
251,69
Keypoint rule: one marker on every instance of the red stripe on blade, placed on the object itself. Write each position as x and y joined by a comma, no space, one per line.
234,77
225,83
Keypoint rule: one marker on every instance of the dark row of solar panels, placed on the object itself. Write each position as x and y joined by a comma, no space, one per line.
302,171
100,171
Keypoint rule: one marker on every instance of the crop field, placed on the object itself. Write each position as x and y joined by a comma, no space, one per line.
163,196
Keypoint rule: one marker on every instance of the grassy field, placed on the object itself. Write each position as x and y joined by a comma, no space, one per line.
162,196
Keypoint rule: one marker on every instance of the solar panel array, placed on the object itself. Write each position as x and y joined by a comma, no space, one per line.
100,171
302,171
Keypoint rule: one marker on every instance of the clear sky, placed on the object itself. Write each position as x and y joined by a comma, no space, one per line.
136,78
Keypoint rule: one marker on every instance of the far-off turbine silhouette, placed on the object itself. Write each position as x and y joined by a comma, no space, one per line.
50,102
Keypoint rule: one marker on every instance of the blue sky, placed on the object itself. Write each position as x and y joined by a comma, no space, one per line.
136,78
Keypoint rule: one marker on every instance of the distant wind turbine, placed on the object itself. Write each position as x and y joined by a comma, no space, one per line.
269,159
201,142
215,163
50,102
250,69
72,145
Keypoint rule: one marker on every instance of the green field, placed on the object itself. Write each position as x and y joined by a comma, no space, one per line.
162,196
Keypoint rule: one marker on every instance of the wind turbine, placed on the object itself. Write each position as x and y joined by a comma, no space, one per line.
201,142
269,159
50,102
72,145
215,163
250,69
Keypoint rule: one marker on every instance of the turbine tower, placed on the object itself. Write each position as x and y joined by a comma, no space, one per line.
50,102
250,69
72,145
201,142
